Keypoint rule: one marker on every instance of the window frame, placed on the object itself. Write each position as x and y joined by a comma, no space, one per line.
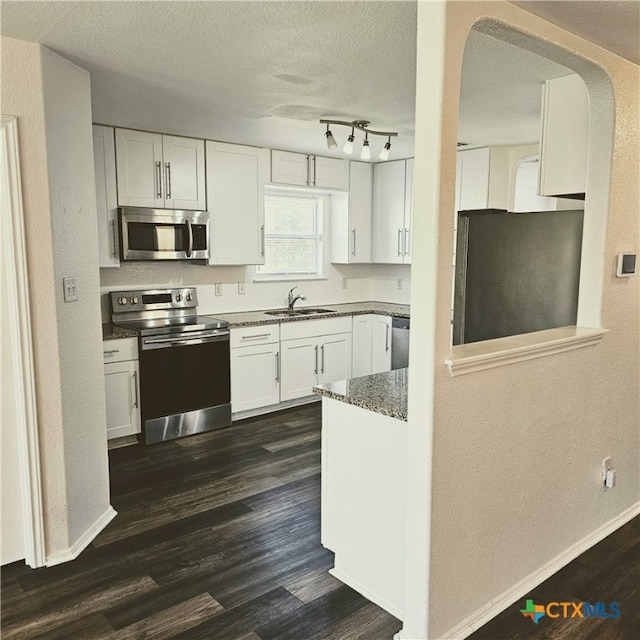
322,230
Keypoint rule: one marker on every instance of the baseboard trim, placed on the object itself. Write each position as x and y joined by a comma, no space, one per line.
369,595
272,408
72,552
481,616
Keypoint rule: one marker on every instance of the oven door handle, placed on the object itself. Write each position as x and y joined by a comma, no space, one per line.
189,238
175,341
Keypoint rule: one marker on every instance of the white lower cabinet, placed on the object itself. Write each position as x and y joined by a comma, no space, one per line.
255,367
314,352
371,344
122,387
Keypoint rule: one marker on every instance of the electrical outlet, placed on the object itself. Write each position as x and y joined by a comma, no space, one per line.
218,288
344,283
399,284
606,466
70,289
240,288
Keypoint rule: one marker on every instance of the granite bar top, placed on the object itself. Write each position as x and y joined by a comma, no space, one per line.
112,332
384,393
252,318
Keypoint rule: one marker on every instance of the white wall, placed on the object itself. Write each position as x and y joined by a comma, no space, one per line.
51,98
517,450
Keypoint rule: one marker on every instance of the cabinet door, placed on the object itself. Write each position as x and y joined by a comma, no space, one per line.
289,168
235,193
299,368
183,173
122,393
104,163
361,345
473,177
360,211
255,377
329,173
139,169
408,210
388,211
335,358
380,344
564,147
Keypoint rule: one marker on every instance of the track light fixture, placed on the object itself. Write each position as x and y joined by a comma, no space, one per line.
331,141
362,125
365,154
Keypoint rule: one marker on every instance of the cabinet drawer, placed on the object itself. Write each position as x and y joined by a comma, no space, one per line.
312,328
120,350
260,334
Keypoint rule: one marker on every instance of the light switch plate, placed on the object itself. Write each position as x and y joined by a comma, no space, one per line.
218,288
70,289
240,288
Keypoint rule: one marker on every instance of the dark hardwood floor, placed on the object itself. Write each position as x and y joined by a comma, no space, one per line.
218,538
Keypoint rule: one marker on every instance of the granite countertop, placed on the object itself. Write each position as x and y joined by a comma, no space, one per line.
252,318
384,393
111,332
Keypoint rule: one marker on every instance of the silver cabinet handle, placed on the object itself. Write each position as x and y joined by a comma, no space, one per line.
255,336
189,237
159,179
168,180
110,352
134,379
353,233
386,339
262,241
316,369
406,241
114,239
399,236
277,366
313,182
322,359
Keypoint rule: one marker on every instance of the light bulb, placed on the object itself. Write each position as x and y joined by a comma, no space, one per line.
348,145
365,154
384,154
331,141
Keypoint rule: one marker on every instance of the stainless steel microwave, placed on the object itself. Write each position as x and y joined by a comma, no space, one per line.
163,234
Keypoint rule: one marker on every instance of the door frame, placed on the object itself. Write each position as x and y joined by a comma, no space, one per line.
19,322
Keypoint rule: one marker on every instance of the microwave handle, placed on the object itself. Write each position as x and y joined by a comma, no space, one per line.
189,238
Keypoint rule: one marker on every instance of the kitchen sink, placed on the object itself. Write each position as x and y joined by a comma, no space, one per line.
299,312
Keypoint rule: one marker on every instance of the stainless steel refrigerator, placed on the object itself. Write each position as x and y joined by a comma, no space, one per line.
515,272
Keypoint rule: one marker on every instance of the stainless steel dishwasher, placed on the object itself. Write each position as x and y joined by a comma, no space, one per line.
399,343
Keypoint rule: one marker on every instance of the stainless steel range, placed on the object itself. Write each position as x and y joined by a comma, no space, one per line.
184,362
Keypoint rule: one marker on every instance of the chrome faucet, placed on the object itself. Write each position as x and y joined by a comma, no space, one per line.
292,299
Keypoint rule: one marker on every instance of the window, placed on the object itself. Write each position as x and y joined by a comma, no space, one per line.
293,236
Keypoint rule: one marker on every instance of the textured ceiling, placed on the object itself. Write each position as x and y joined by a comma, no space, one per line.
264,72
611,24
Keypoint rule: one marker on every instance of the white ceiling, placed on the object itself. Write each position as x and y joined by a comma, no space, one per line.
264,72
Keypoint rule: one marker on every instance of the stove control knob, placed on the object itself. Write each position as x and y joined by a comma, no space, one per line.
178,297
189,297
122,301
134,300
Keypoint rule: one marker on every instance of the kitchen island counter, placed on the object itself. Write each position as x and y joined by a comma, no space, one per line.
385,393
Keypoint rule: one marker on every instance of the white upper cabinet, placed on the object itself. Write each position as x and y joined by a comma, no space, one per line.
351,217
104,162
564,144
159,171
302,170
392,211
482,178
236,176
